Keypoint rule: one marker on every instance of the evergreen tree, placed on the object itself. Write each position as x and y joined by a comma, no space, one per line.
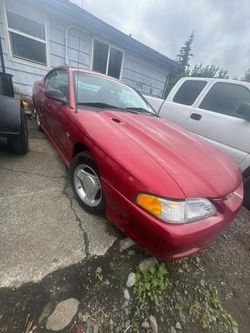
182,58
185,54
200,70
246,77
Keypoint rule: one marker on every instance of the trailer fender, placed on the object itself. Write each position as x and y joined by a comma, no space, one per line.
10,116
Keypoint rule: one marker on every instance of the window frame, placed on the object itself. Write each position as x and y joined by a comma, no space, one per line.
107,62
210,88
9,47
54,70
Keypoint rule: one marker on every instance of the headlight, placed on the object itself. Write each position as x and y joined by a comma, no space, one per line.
176,211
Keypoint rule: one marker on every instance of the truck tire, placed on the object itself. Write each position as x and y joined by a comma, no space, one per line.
19,143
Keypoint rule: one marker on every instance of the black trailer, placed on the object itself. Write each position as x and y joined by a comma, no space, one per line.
13,125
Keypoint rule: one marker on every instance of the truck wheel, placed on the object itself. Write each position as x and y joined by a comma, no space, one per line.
246,200
86,183
19,143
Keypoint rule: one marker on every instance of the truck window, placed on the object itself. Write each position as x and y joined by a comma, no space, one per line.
225,98
189,91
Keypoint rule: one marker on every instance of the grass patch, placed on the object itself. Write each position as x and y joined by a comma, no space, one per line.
178,292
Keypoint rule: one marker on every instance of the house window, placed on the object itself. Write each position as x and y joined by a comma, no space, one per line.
107,59
27,37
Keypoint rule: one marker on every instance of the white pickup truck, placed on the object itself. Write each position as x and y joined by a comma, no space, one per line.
217,110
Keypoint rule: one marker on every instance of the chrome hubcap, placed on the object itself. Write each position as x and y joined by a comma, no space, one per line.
87,185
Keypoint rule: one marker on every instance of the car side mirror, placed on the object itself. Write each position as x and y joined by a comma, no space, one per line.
244,111
56,95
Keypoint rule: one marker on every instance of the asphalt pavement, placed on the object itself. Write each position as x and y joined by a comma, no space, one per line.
42,228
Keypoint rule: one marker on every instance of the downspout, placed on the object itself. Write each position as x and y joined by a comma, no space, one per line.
1,56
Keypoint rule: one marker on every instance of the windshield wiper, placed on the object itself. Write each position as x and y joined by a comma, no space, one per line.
142,110
106,106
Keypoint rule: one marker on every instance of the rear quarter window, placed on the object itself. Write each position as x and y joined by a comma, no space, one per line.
189,91
225,98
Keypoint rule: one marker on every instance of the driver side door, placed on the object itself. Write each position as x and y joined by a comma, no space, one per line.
57,112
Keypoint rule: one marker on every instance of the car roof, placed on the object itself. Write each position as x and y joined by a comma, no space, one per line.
209,79
72,69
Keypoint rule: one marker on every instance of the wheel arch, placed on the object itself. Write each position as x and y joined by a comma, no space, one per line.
78,148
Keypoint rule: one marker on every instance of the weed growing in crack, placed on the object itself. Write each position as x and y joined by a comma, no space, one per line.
207,308
150,285
178,292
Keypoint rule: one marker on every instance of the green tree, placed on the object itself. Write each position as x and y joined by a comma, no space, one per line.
201,70
246,77
182,58
184,55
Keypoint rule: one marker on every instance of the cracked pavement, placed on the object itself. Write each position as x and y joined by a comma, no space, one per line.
42,227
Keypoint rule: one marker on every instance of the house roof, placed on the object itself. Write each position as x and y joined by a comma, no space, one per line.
118,36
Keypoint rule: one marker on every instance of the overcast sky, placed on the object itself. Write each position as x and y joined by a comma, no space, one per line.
222,27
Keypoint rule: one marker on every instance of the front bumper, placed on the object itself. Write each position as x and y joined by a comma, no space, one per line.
165,240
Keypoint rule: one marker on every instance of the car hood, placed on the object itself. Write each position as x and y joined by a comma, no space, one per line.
199,169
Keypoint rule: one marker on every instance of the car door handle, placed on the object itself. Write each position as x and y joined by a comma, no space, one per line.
195,116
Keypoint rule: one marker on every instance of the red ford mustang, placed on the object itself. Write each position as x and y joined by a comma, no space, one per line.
168,190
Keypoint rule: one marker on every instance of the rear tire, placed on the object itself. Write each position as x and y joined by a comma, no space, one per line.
86,183
19,144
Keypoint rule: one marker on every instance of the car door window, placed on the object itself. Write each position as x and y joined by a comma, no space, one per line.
225,98
189,91
48,78
58,79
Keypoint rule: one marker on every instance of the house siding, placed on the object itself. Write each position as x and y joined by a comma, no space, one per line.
146,76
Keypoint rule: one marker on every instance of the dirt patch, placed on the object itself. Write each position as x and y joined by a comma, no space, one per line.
206,293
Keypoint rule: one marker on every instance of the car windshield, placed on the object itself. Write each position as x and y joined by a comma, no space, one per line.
100,92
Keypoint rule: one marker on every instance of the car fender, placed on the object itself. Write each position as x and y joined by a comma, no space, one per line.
10,116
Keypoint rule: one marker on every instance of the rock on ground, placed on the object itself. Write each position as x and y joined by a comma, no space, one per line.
62,315
147,263
178,326
126,243
131,280
173,330
126,294
145,324
153,323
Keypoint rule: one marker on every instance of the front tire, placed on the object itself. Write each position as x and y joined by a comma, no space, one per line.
19,144
86,183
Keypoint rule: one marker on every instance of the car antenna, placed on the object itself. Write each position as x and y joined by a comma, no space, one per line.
78,68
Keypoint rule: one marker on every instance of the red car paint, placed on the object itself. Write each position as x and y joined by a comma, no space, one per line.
138,153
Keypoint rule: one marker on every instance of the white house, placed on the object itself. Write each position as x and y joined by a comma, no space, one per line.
39,35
